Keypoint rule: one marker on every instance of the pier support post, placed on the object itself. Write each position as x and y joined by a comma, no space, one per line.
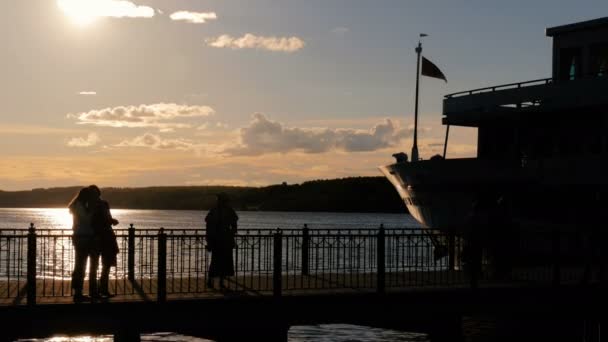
31,265
556,257
271,333
162,267
277,277
446,329
452,250
476,251
381,259
131,253
305,250
127,335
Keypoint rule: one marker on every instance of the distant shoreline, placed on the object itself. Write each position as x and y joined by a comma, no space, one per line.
238,210
346,195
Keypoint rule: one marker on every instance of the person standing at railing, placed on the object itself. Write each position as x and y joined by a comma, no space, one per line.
105,239
83,242
221,226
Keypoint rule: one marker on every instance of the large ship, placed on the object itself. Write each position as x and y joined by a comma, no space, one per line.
542,145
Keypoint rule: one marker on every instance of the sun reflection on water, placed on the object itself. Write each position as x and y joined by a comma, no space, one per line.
60,218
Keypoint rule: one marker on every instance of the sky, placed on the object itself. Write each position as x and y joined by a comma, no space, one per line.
257,92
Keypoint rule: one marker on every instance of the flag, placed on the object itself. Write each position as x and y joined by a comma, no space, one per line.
431,70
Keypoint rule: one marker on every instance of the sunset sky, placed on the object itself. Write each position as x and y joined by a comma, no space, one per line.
256,92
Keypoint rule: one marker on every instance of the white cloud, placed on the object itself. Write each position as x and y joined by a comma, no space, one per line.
87,93
91,140
160,115
193,17
266,136
86,10
156,142
251,41
340,31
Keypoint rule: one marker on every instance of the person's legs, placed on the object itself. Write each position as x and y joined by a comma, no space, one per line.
212,270
80,262
104,279
93,266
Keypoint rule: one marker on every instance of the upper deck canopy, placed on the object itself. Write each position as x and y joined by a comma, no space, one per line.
580,26
579,80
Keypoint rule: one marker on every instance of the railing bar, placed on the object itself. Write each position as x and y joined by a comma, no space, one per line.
54,266
493,88
8,264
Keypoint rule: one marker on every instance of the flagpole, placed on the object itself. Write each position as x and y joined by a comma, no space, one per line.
415,147
445,145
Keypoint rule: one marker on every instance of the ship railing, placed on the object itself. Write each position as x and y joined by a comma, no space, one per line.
163,264
501,87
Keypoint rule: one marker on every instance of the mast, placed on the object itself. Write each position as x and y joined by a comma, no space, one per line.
415,147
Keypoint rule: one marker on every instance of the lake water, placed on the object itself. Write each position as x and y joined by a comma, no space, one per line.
185,219
153,219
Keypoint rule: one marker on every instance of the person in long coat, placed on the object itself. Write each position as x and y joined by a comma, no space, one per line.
83,242
221,227
105,238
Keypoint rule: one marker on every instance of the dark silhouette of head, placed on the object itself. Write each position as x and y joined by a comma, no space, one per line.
83,196
95,191
222,198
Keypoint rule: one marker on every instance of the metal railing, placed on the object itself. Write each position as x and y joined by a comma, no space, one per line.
163,264
501,87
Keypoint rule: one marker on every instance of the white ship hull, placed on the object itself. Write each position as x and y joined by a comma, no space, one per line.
440,194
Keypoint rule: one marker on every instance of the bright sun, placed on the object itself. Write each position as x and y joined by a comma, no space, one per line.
79,11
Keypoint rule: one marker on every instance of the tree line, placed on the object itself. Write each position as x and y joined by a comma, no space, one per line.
355,194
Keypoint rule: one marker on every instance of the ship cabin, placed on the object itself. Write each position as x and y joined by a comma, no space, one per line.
565,115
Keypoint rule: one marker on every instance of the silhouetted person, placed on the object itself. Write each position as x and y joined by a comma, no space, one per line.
475,235
105,239
221,226
83,241
594,241
400,157
503,239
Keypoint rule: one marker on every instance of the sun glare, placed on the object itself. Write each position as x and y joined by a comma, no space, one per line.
59,218
84,12
81,12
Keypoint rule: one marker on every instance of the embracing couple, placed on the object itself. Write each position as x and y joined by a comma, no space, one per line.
92,237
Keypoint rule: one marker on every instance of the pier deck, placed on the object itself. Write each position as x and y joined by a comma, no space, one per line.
385,278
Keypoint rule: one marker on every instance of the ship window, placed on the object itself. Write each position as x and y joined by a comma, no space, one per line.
599,60
572,73
570,64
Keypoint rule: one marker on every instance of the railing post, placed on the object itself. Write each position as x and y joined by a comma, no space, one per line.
451,250
31,265
277,277
476,255
381,259
131,253
162,266
555,249
305,249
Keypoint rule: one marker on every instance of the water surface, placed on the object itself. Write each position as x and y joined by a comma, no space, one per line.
182,219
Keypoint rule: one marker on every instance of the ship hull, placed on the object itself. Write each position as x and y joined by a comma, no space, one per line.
442,194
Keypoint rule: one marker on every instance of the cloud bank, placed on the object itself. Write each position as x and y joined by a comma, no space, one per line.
156,142
157,115
193,17
91,140
88,93
266,136
104,8
251,41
